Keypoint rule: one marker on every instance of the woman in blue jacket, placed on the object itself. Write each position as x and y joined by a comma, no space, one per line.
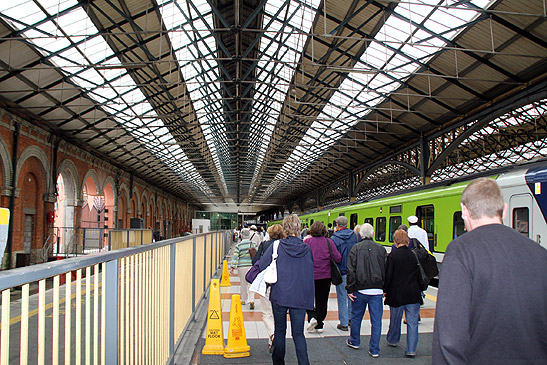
294,290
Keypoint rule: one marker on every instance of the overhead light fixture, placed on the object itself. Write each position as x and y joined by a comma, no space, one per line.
120,66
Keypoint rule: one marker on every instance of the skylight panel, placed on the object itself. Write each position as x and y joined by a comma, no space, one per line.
23,11
118,98
396,33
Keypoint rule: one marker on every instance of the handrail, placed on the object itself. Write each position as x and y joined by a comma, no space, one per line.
148,295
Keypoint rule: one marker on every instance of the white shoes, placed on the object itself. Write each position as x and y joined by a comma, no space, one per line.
312,325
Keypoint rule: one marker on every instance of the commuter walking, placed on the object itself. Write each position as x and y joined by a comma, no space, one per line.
344,239
319,245
414,231
491,304
294,290
255,236
402,291
365,276
275,232
241,260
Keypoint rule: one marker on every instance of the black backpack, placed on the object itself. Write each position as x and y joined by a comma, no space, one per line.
427,260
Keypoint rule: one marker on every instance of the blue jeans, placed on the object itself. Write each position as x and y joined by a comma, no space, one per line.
412,311
297,328
375,309
344,304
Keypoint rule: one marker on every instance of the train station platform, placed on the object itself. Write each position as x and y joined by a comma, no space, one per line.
328,347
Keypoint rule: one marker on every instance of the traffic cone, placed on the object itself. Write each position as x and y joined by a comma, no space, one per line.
237,341
225,274
214,340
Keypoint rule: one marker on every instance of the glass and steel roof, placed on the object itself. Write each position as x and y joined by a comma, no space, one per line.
263,102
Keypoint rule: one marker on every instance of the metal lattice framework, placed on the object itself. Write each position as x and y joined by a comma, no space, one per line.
268,102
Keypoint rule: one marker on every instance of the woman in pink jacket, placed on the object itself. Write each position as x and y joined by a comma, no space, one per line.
318,243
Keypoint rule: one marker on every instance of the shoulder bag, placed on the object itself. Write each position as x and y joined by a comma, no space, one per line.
424,280
335,274
426,259
270,275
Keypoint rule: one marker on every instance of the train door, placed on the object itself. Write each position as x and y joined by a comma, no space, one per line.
521,213
426,219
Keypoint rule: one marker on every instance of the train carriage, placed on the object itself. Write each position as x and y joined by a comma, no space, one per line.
438,209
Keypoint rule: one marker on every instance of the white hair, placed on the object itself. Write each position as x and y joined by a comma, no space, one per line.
367,231
245,233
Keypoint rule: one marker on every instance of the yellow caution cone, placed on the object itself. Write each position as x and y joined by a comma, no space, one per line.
237,341
225,274
214,340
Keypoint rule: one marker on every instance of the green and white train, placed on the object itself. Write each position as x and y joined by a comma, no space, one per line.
438,209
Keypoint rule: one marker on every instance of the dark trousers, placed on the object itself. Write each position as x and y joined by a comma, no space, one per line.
297,331
322,289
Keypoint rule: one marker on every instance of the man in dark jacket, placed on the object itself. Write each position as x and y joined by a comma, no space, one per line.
365,280
491,304
344,239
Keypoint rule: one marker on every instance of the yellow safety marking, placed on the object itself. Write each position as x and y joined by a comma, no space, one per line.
431,297
48,306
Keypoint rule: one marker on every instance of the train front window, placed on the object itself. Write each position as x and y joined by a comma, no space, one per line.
458,225
352,220
381,229
521,219
394,223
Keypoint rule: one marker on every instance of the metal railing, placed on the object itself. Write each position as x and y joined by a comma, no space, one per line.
125,306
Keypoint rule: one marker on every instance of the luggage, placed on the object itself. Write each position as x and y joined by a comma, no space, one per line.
427,260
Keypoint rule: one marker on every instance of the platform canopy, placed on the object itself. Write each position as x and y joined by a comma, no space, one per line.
265,102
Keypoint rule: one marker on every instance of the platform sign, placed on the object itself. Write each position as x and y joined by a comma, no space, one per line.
4,221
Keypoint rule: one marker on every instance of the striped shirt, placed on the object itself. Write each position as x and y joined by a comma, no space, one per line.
241,257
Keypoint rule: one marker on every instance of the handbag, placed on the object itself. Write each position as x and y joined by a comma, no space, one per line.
427,260
270,275
253,272
424,280
335,274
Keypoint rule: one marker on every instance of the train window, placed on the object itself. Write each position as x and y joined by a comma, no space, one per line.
370,221
426,220
311,222
394,223
521,220
395,209
381,229
352,220
459,225
342,214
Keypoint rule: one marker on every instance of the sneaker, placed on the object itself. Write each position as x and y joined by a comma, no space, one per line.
373,355
319,330
348,342
312,324
392,344
410,354
252,305
342,328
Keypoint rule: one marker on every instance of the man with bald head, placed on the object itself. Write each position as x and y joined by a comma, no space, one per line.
492,299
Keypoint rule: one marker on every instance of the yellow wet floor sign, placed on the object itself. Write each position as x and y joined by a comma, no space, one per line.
237,340
225,274
4,221
214,339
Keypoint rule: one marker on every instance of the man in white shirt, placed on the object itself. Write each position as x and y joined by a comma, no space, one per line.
414,231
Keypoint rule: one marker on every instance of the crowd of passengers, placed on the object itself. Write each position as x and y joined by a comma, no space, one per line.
371,277
393,277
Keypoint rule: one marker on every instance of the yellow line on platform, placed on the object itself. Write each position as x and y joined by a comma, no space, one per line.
431,297
48,306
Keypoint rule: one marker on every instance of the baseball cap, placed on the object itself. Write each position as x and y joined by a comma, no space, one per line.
342,221
412,219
